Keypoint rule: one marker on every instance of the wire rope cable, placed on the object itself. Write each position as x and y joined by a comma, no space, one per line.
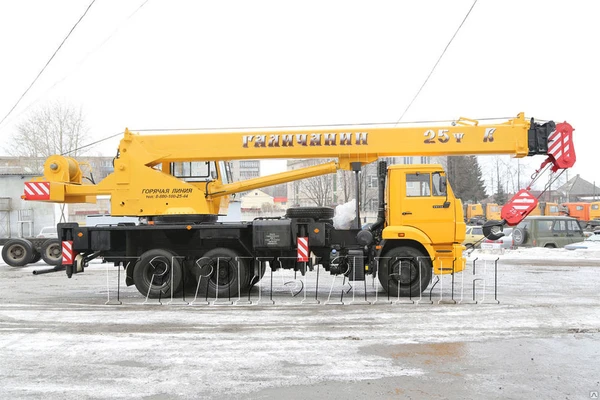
49,61
437,62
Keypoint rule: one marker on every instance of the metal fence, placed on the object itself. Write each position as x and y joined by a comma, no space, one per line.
310,285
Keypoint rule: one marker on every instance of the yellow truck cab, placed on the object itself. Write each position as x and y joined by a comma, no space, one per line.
424,213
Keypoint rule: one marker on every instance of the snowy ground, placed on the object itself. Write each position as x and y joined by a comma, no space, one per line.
59,340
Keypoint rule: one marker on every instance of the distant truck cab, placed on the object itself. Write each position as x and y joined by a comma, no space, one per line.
546,208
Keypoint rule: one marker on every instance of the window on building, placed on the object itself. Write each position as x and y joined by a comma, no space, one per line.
372,181
372,205
408,160
425,160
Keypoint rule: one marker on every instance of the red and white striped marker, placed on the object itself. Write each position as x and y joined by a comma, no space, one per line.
302,249
37,191
561,148
67,252
521,204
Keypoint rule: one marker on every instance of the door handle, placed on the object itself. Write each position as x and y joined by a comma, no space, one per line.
406,213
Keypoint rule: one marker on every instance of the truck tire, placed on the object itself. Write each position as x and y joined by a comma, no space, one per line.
405,271
17,252
258,272
519,236
35,257
220,267
52,252
310,212
157,273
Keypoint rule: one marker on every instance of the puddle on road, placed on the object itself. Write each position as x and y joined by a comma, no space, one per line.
427,352
444,350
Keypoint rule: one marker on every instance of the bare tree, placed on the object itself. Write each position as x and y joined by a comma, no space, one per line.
55,128
346,179
318,190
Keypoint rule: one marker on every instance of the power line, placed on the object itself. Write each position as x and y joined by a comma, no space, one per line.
50,60
437,62
270,127
92,144
82,61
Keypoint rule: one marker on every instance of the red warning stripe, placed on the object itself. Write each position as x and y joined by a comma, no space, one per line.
302,249
561,146
37,191
67,252
519,206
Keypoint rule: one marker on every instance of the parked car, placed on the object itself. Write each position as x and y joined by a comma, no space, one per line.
473,236
48,232
505,242
590,242
547,231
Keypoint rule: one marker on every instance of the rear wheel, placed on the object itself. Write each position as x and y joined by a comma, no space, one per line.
52,252
405,271
158,273
222,273
17,252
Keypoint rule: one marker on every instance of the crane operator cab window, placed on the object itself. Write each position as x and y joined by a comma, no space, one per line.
425,184
193,171
201,171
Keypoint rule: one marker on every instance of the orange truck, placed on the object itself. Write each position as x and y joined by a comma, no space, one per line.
578,210
588,214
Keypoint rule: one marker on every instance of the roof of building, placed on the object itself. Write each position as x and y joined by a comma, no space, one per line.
577,186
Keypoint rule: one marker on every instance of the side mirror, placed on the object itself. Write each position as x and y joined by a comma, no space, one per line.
443,184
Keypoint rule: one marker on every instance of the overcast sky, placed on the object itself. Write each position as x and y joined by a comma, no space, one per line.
194,64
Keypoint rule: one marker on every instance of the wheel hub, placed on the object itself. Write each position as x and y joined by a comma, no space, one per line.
405,271
17,252
159,273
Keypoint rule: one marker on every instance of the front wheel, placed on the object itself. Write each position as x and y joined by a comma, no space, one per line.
405,271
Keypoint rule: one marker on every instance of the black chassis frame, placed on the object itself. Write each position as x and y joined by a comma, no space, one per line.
123,243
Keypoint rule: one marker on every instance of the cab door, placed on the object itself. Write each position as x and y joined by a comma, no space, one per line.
424,205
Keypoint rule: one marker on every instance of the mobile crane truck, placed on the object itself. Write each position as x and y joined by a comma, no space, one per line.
178,184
